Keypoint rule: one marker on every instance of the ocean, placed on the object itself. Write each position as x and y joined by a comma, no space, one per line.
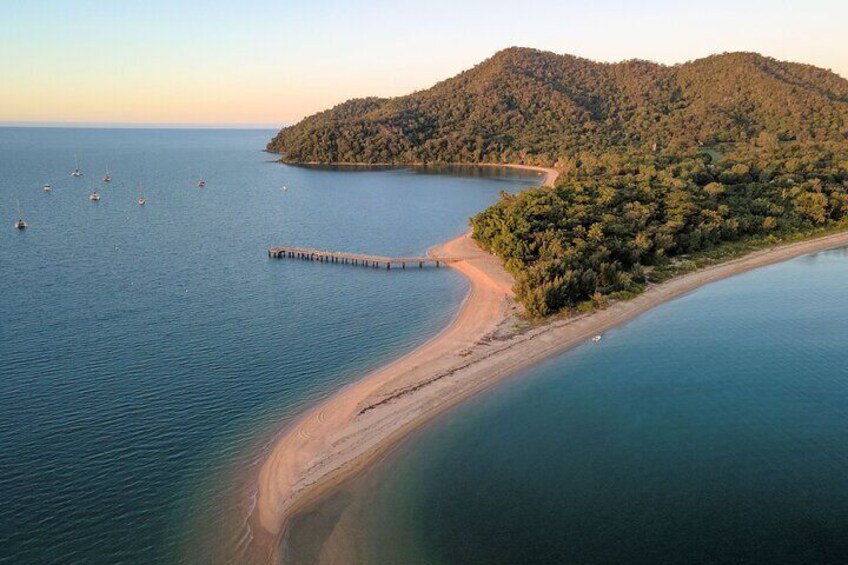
149,354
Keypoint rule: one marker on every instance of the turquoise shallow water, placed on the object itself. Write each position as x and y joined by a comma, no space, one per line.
712,429
147,353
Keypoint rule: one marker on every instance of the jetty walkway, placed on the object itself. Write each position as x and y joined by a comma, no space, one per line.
374,261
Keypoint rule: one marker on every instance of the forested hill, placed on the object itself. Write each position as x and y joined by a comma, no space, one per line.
535,107
659,166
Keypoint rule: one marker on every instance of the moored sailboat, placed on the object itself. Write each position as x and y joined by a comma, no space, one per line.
76,172
20,224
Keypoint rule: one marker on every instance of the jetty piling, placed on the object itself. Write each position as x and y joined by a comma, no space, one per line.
373,261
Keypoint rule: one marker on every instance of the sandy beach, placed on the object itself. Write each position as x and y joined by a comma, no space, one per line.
486,342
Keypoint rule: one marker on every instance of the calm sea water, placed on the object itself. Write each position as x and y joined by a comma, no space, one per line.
713,429
147,353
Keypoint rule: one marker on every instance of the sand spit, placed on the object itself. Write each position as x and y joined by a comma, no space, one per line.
485,342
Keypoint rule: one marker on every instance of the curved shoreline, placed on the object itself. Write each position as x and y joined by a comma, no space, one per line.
343,434
550,174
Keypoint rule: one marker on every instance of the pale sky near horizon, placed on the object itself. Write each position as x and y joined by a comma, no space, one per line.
264,62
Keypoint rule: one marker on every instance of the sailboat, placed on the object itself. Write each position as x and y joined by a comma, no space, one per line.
77,172
20,224
141,199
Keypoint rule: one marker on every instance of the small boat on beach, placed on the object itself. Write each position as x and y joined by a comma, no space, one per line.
47,188
94,197
596,339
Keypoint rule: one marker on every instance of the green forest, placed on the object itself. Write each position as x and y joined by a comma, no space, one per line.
612,218
656,162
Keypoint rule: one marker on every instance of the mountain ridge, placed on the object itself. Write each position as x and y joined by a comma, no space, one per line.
527,106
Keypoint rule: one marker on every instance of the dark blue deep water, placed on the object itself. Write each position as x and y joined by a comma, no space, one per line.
712,429
148,353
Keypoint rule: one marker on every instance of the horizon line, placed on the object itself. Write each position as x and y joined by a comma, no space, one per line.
137,125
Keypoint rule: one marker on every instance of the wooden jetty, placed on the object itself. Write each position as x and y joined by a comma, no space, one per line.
374,261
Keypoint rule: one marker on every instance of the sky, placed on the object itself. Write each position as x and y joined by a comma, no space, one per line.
272,62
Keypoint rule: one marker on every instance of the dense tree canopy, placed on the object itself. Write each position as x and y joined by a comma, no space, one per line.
656,162
533,107
610,218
